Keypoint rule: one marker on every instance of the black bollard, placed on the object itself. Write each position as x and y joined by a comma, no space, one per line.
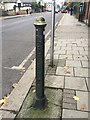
40,99
80,12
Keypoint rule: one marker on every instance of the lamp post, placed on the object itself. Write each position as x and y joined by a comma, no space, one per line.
81,12
42,4
19,4
52,34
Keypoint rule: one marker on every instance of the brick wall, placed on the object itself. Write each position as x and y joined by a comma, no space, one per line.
86,10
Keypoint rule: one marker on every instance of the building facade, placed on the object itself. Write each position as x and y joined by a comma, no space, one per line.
8,4
87,12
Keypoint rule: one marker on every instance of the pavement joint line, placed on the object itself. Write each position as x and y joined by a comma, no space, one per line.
77,90
73,71
81,63
12,111
64,83
87,85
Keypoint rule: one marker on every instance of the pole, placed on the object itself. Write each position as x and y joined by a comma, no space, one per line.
19,4
81,12
89,14
52,34
40,99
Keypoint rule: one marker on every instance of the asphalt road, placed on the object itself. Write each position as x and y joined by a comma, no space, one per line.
18,40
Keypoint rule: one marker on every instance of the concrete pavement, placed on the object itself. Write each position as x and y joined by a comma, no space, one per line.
67,83
15,16
73,49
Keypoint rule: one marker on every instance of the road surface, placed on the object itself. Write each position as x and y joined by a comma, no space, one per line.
18,40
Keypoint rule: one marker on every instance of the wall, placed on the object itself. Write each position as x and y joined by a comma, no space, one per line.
9,6
86,10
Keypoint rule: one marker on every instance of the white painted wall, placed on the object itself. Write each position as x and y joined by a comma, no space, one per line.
9,6
1,6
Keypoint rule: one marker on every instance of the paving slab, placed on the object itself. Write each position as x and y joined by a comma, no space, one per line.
51,70
68,95
72,45
69,57
69,99
7,115
81,52
56,48
67,42
85,64
86,48
78,48
48,56
73,35
80,57
83,39
83,44
47,62
66,48
82,103
64,71
55,56
81,72
53,109
62,52
73,52
61,62
63,44
70,106
54,81
69,91
79,44
73,63
74,114
75,83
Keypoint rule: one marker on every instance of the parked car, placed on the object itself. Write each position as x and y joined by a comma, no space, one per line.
64,11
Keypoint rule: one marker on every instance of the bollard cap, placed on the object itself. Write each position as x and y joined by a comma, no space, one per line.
40,21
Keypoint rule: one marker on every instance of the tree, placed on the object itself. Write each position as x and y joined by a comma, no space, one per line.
45,5
39,4
34,4
65,3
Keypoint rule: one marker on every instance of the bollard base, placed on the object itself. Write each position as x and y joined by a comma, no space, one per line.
52,111
40,103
